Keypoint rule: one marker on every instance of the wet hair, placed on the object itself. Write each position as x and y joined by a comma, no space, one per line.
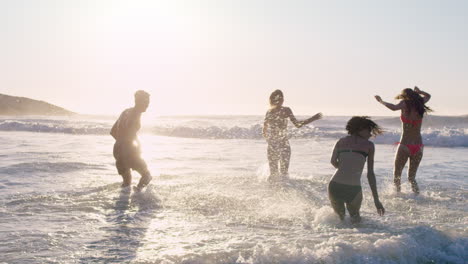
414,101
276,98
358,123
140,94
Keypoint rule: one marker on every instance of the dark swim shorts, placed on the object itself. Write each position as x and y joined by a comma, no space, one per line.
127,156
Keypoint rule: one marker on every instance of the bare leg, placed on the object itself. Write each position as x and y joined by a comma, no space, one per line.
273,159
338,206
144,181
127,179
353,208
415,160
400,161
285,157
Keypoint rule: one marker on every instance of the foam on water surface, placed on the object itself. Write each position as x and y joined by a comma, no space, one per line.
61,201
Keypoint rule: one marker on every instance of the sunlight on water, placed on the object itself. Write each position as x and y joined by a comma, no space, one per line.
210,202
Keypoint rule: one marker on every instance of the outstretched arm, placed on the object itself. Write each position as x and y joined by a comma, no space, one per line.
298,123
390,106
312,119
372,180
425,95
293,119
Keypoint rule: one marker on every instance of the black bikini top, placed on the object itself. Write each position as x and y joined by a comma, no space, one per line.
355,151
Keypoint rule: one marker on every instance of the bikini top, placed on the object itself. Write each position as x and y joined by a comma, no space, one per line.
355,151
409,121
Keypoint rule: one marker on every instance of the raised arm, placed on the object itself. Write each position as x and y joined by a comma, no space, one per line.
334,158
390,106
298,123
373,181
425,95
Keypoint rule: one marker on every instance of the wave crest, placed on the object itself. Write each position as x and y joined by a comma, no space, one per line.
432,136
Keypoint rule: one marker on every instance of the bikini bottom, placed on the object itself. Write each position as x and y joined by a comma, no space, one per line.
413,148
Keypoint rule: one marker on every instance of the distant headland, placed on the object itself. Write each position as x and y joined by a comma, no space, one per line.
13,105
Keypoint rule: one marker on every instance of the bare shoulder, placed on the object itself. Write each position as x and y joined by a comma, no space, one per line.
128,111
345,139
338,145
341,142
286,111
403,105
124,113
132,114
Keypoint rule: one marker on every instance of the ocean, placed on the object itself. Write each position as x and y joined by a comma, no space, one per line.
209,201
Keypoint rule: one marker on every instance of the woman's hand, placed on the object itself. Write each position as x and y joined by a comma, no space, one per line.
378,98
317,116
380,208
417,90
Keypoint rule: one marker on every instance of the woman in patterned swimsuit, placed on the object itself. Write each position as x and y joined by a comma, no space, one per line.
275,132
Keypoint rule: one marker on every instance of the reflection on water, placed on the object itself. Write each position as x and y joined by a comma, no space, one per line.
217,209
127,225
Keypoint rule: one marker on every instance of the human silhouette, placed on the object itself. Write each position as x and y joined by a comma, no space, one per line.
413,106
127,151
348,157
275,133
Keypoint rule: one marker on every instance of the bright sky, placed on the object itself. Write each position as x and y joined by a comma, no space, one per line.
226,57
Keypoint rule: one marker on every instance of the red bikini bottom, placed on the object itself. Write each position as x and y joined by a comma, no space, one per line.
413,148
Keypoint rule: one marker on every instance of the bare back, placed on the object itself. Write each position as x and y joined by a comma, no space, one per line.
126,127
351,154
411,125
276,119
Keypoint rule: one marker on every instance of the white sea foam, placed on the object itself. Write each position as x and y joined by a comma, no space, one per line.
61,201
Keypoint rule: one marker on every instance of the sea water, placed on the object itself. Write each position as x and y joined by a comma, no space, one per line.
209,201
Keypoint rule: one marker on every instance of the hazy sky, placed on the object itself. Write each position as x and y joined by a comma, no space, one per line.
226,57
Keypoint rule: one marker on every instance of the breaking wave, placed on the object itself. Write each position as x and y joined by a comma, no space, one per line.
437,131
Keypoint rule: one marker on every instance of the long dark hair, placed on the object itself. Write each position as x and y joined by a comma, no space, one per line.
414,101
358,123
276,98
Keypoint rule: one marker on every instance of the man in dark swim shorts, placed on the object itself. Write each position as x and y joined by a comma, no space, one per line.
127,146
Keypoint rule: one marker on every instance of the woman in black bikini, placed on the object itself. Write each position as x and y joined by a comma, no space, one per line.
412,106
275,132
349,156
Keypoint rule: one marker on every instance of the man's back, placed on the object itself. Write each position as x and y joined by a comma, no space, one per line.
127,126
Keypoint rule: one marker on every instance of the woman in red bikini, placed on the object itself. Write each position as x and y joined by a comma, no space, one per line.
412,106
